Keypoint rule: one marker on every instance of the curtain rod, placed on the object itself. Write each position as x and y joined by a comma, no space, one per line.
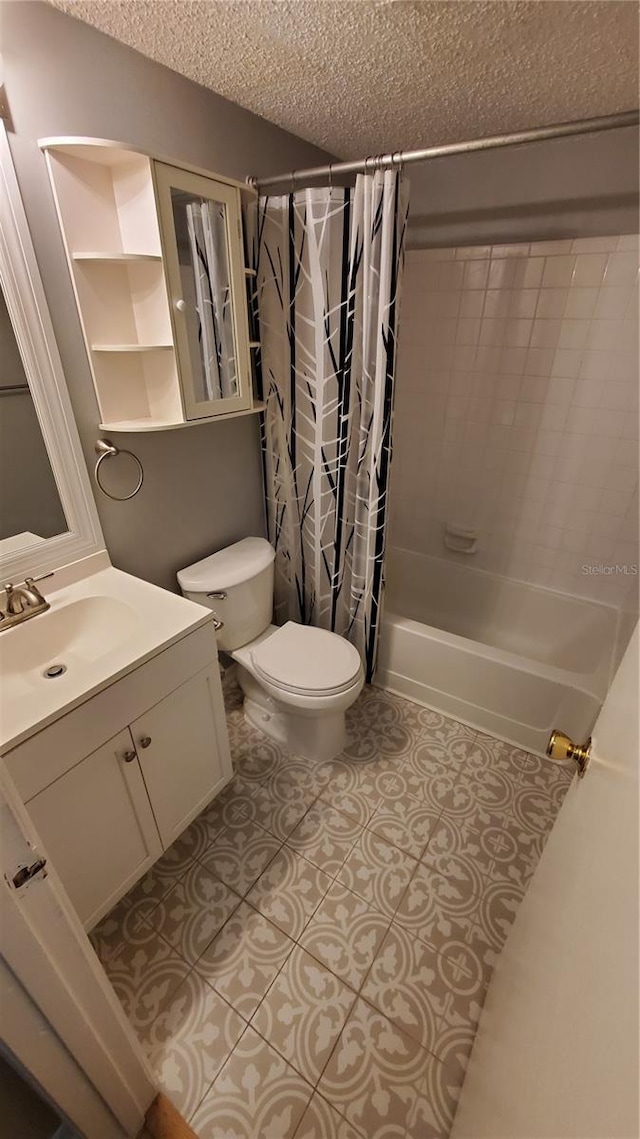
491,142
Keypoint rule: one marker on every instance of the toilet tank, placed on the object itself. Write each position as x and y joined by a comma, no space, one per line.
241,579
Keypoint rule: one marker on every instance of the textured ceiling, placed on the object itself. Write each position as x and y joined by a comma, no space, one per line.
361,77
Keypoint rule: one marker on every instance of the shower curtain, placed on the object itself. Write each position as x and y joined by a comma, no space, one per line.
329,263
208,242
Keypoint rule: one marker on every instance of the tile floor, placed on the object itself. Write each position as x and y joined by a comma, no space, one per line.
311,957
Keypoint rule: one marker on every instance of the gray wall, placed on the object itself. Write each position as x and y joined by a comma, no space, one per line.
203,485
575,187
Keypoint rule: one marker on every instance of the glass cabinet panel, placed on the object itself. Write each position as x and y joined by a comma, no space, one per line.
201,236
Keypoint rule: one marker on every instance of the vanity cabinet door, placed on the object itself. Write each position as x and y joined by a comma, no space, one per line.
183,749
98,827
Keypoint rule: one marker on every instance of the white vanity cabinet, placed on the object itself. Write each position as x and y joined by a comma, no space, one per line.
98,826
156,257
113,783
174,742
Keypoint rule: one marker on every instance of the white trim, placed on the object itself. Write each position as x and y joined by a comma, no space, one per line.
29,313
47,950
41,1053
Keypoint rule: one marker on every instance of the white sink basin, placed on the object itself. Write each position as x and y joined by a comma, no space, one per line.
98,629
75,635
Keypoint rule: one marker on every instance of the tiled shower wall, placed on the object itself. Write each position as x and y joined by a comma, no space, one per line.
517,410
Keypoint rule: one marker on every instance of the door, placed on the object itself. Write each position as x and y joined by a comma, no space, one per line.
201,235
98,827
184,752
60,1016
556,1055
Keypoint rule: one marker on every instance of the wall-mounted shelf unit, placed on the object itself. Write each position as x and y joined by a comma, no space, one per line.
156,258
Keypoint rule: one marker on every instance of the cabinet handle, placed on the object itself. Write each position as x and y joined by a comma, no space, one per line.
181,305
145,741
129,755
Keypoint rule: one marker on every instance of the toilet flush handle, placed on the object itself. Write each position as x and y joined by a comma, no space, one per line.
218,594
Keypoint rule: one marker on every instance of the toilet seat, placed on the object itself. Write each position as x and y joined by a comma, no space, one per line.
307,661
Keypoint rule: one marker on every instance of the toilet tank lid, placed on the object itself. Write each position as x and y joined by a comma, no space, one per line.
228,567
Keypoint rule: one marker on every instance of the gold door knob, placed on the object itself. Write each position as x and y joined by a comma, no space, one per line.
561,747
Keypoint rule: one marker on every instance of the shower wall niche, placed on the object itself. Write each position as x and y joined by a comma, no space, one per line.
517,411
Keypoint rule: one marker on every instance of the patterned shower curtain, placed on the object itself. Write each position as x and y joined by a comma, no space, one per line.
329,264
208,242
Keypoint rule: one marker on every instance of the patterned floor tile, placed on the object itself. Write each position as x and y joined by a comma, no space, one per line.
190,1040
390,780
257,1094
434,776
256,759
278,806
405,822
475,811
440,728
344,934
321,1121
473,835
144,974
244,958
376,727
533,810
495,913
289,892
437,909
433,1114
378,872
325,837
305,773
303,1013
193,911
410,983
209,825
117,927
497,755
375,1074
457,851
352,792
240,855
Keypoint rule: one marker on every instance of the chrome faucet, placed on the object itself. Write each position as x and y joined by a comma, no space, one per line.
23,601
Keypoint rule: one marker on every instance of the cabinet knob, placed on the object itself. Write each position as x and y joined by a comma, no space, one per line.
181,305
145,741
129,755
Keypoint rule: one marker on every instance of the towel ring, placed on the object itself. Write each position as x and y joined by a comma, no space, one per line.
104,449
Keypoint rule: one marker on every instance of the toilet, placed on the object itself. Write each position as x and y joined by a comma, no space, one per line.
298,681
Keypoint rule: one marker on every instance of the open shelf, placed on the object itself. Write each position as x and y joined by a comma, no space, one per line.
141,425
112,201
116,257
130,347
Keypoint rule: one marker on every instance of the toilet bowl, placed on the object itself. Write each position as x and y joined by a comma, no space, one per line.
297,681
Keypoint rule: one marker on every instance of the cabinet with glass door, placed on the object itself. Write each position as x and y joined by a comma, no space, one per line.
156,258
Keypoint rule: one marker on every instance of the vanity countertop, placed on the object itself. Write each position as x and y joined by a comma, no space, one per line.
99,629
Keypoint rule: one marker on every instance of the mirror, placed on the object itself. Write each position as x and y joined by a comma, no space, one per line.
48,516
201,236
31,509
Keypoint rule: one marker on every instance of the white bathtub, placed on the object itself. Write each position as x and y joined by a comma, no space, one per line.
508,658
